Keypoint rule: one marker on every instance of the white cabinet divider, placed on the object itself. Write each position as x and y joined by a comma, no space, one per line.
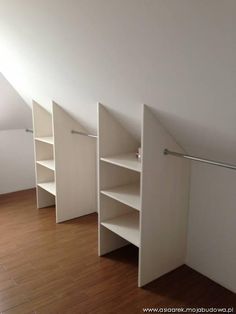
65,164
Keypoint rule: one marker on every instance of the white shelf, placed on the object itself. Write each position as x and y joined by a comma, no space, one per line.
126,194
128,161
48,139
126,226
50,164
48,186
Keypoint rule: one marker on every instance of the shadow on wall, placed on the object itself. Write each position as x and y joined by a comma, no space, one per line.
16,145
14,112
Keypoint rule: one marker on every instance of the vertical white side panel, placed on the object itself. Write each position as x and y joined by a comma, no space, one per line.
165,197
42,121
75,168
42,126
113,139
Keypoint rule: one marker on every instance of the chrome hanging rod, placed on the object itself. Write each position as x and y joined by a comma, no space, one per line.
207,161
83,133
29,130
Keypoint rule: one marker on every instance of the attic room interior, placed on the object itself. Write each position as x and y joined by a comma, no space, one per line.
117,156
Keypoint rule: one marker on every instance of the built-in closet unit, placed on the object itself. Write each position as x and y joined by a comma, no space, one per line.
142,202
65,164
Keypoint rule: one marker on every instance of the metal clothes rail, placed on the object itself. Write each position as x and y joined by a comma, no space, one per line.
199,159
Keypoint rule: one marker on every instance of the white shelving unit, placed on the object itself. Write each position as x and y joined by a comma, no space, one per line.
65,164
142,202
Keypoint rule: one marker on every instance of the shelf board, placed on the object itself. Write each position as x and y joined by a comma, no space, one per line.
48,139
49,187
126,194
50,164
126,226
128,161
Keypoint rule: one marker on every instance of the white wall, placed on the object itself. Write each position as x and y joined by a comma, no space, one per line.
16,161
177,56
14,113
212,224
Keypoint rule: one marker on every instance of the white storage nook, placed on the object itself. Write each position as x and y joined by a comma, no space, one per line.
142,202
65,164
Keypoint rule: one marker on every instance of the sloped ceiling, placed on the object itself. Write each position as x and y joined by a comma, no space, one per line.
178,56
14,112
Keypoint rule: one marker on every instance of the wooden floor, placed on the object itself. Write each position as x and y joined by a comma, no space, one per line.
49,268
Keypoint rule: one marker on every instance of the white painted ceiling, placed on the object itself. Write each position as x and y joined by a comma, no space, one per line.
14,113
178,56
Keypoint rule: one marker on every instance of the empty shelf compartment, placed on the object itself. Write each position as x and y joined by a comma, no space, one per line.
129,161
126,226
127,194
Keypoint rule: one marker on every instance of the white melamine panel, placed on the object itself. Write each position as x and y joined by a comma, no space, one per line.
115,141
126,226
113,176
42,121
43,151
127,194
42,124
129,161
107,239
75,168
159,226
165,195
44,174
111,208
65,164
50,164
46,139
49,187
